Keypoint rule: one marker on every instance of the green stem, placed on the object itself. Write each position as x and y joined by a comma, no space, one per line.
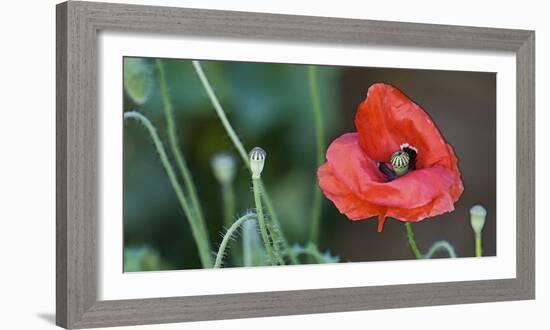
174,146
315,215
440,245
219,110
479,248
275,220
242,152
320,143
202,243
253,251
247,247
228,235
412,242
228,198
228,203
437,246
276,240
311,251
256,186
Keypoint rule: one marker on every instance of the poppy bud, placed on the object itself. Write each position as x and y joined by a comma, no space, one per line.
257,161
223,166
137,79
400,162
477,218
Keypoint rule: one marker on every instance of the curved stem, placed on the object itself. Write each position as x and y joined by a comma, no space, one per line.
320,143
241,150
228,235
261,221
313,254
202,246
437,246
180,160
412,242
311,251
440,245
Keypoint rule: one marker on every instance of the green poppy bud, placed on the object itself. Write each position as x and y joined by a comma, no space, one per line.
477,218
224,167
137,79
257,161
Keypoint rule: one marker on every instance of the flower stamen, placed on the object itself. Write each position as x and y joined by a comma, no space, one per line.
387,171
411,151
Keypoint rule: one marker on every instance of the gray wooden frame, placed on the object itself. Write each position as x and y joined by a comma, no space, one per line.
78,24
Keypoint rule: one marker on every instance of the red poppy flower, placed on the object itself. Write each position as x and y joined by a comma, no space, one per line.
396,165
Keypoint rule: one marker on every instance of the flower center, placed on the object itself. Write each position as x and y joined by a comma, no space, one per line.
402,161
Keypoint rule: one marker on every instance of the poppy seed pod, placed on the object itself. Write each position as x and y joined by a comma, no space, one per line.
400,162
223,166
257,161
477,218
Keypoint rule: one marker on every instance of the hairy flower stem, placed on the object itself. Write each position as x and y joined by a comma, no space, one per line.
479,248
437,246
242,152
228,235
180,160
276,239
202,242
320,143
275,220
219,110
256,186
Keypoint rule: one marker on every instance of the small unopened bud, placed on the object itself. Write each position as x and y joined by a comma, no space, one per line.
138,80
223,166
257,161
477,218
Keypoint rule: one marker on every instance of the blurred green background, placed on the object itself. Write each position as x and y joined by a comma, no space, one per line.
269,106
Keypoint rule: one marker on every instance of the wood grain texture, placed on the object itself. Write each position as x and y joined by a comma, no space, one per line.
77,184
77,157
61,167
525,163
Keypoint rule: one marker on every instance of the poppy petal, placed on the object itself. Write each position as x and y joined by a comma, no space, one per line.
345,200
388,119
441,204
351,178
355,169
361,175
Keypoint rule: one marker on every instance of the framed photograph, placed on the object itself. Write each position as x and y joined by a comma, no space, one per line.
216,165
